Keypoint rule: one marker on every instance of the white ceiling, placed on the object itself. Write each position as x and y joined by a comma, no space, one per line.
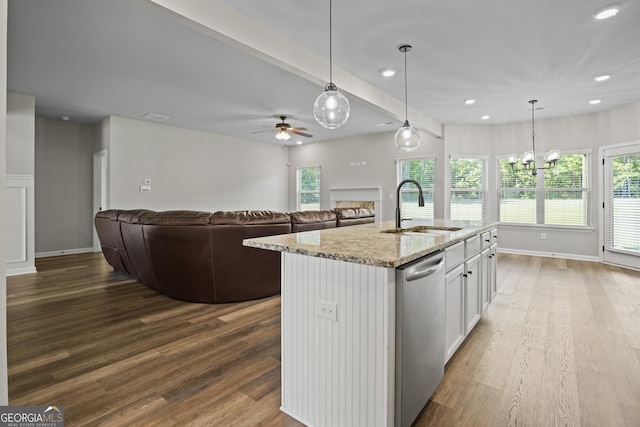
88,59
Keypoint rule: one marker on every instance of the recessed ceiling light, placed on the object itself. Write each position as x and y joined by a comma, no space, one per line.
385,123
388,72
607,12
602,78
485,117
595,101
470,101
65,118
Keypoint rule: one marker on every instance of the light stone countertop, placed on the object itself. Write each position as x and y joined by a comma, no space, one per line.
367,244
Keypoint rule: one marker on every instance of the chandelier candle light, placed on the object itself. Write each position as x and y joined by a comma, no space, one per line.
331,108
529,157
407,137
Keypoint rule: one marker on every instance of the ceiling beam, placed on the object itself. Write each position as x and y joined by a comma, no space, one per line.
226,24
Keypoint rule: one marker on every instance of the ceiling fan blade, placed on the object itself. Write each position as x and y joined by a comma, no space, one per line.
261,131
296,128
300,133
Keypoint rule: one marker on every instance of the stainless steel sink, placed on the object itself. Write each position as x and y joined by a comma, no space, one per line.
426,229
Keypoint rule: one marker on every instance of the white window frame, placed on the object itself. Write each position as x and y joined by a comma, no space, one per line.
300,192
410,187
485,183
541,191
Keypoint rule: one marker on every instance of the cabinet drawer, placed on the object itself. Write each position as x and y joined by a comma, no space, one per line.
485,239
494,236
471,246
454,255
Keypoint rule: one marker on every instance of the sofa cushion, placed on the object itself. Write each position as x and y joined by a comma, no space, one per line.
354,216
312,220
176,218
248,217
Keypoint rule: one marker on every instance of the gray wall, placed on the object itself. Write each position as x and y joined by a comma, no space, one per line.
191,169
21,134
64,185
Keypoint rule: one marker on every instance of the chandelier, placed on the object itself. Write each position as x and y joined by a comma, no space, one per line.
529,158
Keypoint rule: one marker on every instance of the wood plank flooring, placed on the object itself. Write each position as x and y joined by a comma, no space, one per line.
560,345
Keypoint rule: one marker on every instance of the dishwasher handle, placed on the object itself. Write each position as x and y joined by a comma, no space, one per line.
415,273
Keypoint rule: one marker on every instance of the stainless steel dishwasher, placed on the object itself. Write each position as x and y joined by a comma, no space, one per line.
420,329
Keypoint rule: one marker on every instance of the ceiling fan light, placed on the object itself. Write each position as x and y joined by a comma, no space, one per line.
407,138
331,108
283,135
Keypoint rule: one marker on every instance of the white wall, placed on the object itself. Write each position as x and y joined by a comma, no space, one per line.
4,387
378,151
64,187
20,197
192,170
583,132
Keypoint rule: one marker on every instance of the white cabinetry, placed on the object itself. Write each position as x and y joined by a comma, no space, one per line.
454,320
493,265
472,294
470,286
485,274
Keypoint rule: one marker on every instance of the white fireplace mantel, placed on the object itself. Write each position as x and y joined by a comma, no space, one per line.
362,194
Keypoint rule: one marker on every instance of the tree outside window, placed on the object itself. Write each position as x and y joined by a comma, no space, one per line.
308,189
557,196
423,171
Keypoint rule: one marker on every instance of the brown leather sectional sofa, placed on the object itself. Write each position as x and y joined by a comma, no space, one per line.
199,257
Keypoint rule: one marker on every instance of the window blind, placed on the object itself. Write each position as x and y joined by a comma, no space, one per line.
421,170
468,197
623,227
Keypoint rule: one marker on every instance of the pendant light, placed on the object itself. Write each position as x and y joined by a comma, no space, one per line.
407,137
331,108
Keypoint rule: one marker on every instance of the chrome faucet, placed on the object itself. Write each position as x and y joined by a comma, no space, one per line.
420,199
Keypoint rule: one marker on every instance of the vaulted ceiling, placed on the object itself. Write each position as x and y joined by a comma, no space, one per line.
232,67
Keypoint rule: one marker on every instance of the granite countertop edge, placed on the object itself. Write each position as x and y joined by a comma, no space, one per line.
336,243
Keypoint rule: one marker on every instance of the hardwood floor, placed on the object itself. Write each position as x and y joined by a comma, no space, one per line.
560,345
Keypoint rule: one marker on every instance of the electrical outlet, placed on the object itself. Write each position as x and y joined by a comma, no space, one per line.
327,309
543,236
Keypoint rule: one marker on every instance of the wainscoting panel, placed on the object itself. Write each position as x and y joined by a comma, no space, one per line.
20,220
330,367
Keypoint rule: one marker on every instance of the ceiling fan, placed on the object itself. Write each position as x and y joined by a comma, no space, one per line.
283,130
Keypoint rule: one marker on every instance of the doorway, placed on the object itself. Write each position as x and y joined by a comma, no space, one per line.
621,204
100,190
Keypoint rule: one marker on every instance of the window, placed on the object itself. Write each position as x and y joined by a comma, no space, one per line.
308,189
468,200
557,196
423,171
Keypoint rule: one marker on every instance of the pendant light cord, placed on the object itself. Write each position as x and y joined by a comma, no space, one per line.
406,100
330,46
533,127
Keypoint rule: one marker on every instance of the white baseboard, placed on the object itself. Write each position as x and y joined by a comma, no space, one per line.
63,252
19,271
549,254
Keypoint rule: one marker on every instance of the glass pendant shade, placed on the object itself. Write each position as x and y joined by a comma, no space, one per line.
331,108
407,138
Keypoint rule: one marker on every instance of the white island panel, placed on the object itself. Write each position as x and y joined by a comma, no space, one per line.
337,372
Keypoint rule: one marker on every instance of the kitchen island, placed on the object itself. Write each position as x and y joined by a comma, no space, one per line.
339,311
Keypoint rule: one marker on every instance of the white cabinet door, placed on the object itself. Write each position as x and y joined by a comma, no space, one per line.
472,294
454,312
493,266
485,282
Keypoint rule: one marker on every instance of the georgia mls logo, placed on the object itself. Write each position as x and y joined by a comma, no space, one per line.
31,416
